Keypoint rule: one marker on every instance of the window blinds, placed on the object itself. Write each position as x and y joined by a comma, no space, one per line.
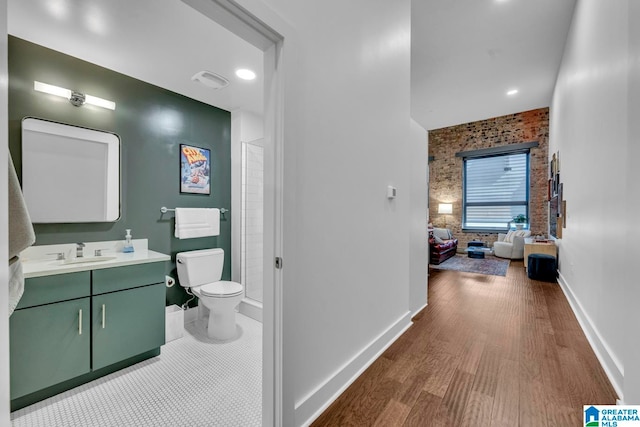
495,190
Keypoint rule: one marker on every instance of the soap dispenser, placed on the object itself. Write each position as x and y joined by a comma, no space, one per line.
128,244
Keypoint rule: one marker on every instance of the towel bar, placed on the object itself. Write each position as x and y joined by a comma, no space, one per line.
165,210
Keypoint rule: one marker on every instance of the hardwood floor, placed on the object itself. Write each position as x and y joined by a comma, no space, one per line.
487,351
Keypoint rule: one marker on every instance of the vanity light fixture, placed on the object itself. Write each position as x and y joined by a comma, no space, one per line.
512,92
245,74
76,98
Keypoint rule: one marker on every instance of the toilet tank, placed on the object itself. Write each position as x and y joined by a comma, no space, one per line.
196,268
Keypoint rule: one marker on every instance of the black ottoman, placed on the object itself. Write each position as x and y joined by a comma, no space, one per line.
542,267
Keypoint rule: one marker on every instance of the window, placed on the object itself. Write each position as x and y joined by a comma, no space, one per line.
496,188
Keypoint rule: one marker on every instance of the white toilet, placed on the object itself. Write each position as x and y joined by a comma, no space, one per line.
200,271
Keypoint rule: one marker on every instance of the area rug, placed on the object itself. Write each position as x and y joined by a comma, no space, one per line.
490,265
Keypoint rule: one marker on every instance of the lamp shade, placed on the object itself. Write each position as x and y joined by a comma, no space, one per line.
445,208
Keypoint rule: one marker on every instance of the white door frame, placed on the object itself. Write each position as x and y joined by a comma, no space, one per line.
4,219
241,22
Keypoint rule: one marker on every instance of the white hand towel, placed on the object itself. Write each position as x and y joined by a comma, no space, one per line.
197,222
16,283
21,234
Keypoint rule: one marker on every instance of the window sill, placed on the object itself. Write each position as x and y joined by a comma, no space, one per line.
484,230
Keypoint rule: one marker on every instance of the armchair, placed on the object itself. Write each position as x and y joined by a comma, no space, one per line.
511,245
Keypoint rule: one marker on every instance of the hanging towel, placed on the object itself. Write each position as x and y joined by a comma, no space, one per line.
16,284
197,222
21,236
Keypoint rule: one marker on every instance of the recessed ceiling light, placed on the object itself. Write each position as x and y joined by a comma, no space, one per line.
245,74
512,92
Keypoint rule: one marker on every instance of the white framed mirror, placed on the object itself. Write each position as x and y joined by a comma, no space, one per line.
70,173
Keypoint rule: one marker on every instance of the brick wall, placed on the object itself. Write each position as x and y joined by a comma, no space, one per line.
445,170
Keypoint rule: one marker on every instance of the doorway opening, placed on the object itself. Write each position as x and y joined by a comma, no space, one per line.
244,25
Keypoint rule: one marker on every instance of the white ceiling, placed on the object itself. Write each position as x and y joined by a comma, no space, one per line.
162,42
466,55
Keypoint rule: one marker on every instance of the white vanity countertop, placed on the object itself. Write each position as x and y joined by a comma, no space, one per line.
38,261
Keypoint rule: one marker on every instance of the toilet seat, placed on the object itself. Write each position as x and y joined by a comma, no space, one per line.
221,289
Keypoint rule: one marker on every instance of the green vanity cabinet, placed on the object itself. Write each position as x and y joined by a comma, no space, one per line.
50,335
72,328
128,312
49,344
125,323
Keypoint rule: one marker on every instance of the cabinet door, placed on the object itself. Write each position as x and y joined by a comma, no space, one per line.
127,323
48,344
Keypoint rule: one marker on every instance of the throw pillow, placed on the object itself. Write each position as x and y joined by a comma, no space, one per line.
509,237
442,233
438,240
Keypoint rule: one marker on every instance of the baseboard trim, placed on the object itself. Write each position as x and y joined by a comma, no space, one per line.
611,365
251,308
419,310
313,405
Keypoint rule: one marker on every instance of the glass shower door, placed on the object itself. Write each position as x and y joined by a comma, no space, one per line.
252,214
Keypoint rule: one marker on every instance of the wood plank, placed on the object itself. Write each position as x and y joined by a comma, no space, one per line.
505,411
472,353
441,368
365,410
394,414
486,377
533,399
455,400
478,410
403,367
412,388
425,412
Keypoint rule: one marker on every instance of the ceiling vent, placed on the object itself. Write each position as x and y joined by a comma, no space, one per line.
211,80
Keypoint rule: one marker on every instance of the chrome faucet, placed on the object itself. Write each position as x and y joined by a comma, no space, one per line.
79,253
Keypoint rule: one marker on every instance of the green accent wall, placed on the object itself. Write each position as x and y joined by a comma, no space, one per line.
152,123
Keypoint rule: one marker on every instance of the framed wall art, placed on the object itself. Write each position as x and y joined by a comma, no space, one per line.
553,216
195,169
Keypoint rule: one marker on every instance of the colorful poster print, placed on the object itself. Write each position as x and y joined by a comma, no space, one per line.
195,169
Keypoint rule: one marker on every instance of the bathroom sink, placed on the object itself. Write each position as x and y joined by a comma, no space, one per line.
88,259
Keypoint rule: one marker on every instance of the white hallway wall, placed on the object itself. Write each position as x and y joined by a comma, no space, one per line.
346,246
419,147
632,368
592,127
